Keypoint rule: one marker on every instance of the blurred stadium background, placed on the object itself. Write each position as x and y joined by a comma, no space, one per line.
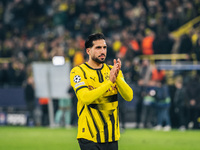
158,42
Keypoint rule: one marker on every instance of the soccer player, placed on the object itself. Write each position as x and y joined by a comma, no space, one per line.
96,85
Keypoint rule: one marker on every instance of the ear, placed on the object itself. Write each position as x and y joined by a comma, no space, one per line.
88,51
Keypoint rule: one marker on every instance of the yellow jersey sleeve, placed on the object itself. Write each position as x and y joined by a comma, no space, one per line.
77,79
79,83
123,88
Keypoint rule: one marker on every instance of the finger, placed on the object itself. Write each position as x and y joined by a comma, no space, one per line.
114,61
118,60
119,63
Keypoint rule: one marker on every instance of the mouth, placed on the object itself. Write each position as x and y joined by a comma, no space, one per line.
102,56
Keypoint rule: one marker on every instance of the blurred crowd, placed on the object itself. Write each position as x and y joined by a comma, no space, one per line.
37,30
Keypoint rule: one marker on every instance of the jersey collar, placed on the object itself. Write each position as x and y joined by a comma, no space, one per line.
93,68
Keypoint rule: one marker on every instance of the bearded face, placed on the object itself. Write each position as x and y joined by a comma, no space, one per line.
98,52
100,59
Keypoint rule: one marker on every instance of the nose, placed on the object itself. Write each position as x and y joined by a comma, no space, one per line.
103,49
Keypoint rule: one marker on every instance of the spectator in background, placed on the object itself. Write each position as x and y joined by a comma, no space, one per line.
63,114
138,89
4,74
145,71
148,107
162,106
189,11
185,46
193,102
172,21
147,44
163,44
179,104
29,92
45,112
20,73
127,72
157,74
130,48
197,47
74,100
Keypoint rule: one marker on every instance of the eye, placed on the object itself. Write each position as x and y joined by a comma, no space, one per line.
98,47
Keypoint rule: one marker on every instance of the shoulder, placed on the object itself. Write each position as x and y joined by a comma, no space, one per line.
109,66
77,69
78,72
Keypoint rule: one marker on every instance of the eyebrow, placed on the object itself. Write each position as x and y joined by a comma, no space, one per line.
101,46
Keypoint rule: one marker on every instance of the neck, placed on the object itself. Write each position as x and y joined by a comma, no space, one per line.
94,64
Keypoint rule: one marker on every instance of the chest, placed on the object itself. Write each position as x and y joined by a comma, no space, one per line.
97,77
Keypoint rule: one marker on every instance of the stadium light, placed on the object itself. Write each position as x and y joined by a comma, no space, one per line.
58,60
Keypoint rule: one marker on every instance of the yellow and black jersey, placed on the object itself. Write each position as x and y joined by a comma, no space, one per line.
97,106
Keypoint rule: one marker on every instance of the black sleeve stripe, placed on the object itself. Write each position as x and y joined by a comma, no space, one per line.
81,111
83,72
81,88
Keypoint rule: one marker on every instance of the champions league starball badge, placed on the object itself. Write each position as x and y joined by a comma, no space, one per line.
77,79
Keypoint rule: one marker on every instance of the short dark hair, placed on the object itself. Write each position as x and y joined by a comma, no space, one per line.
93,37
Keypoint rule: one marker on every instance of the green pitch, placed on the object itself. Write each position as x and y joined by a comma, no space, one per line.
24,138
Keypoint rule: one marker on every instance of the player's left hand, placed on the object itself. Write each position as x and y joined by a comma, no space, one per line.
119,64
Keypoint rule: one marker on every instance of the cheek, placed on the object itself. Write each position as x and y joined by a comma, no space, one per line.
93,54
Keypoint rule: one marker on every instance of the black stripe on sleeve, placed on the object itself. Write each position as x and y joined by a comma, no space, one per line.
81,88
112,119
105,126
95,125
81,110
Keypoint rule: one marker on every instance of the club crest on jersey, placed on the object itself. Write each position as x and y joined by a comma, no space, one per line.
77,79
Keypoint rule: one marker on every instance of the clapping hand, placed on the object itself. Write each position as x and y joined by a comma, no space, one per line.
115,70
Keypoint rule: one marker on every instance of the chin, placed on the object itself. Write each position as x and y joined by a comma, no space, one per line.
100,61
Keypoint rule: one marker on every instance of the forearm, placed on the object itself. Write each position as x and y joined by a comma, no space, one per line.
88,96
124,89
